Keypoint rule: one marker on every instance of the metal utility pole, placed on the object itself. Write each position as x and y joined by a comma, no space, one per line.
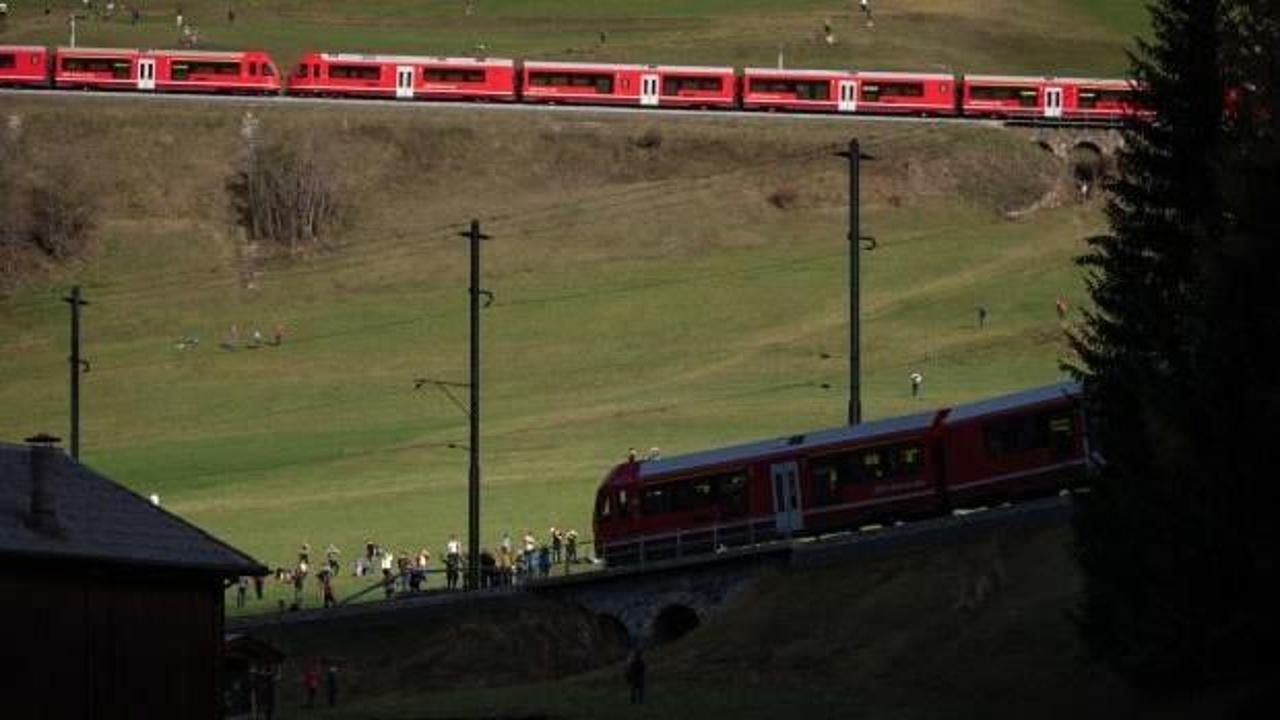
855,156
473,480
77,365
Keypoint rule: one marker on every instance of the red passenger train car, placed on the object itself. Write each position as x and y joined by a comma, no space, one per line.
404,77
1024,444
1048,98
197,71
642,85
904,93
799,90
24,66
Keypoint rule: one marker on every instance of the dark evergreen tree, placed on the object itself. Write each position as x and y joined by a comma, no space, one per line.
1174,540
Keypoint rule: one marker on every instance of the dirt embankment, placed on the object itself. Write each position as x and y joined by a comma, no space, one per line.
158,164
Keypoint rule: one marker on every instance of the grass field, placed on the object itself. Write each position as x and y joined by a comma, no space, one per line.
646,296
1059,37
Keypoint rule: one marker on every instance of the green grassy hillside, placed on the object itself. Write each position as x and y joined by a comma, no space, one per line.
1035,36
648,295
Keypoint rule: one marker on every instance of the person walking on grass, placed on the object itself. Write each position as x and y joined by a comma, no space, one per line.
982,316
326,588
242,590
916,380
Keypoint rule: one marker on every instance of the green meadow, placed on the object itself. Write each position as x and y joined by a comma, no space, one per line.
661,282
645,296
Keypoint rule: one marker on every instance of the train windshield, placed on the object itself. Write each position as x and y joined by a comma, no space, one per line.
604,506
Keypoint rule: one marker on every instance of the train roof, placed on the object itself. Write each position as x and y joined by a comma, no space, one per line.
793,72
1047,79
24,48
160,51
890,74
1012,401
565,65
792,443
362,57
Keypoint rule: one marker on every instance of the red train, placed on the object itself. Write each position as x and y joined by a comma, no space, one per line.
411,77
1021,445
200,71
404,77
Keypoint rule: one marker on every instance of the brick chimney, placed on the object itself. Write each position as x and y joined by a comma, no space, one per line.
46,465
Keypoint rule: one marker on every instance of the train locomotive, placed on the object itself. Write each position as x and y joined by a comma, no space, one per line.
1026,444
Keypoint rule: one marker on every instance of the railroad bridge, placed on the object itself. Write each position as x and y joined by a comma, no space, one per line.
1064,141
661,601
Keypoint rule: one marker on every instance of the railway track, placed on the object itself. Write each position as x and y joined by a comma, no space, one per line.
91,96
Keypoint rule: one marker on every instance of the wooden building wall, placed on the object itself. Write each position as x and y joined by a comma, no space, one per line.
95,643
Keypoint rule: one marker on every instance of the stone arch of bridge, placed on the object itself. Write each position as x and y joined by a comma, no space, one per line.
673,622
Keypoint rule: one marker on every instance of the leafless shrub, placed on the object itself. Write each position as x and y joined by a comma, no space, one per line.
287,195
784,198
62,211
650,139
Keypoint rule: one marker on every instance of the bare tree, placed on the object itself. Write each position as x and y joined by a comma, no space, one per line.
287,194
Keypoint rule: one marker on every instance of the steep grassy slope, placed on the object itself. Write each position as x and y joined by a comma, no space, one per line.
1041,36
646,296
978,629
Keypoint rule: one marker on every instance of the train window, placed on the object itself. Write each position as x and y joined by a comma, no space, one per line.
1089,99
604,506
803,90
117,68
1026,97
694,494
878,463
733,494
813,90
186,69
885,90
444,75
268,70
623,505
7,60
253,69
674,85
603,84
355,72
1018,435
301,72
656,500
829,474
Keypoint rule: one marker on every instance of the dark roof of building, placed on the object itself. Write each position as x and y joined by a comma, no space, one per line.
101,521
1013,401
792,443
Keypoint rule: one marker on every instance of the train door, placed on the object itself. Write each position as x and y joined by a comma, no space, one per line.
147,74
1053,102
785,481
404,82
649,90
848,101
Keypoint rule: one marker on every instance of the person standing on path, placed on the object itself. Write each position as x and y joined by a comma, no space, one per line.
311,682
635,677
331,682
